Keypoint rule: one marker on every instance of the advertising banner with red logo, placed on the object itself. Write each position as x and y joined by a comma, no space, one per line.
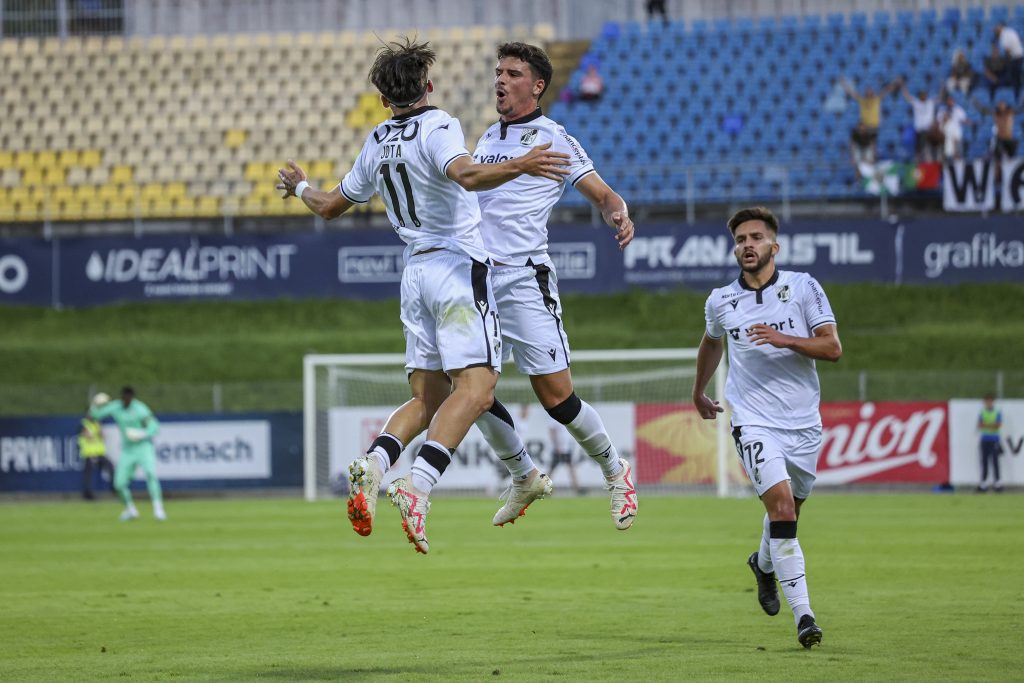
883,443
876,443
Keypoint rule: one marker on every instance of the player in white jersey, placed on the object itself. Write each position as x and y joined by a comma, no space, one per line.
777,324
525,283
417,161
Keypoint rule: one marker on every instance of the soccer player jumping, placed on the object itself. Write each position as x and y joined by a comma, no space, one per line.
777,323
418,163
515,232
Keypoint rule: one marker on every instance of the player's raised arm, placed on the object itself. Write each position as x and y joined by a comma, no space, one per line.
612,206
327,205
540,161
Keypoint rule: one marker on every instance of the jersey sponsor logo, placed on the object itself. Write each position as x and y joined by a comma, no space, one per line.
574,148
528,137
883,442
13,274
370,264
490,158
780,326
784,292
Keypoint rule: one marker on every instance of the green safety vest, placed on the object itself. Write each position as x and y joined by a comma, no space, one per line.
90,444
989,422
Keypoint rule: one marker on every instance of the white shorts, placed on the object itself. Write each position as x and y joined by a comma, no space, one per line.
531,317
449,314
772,455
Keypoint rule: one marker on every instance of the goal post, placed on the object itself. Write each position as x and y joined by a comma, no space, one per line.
642,395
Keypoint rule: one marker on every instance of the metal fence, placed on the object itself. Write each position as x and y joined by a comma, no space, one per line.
240,397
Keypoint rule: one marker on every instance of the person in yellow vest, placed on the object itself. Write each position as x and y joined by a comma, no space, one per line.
93,451
990,421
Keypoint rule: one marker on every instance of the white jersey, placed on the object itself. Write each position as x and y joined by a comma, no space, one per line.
515,215
766,386
405,159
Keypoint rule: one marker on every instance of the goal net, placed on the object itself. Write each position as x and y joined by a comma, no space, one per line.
643,397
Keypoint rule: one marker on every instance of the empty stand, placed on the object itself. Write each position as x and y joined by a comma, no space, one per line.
114,128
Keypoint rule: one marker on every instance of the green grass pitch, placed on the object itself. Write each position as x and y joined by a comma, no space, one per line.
906,587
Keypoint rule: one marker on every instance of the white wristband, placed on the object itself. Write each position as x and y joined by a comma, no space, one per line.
300,188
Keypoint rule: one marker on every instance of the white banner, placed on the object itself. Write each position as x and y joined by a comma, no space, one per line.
968,185
964,440
229,449
1013,185
351,430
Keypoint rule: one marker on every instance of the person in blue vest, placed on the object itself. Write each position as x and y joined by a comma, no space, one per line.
990,421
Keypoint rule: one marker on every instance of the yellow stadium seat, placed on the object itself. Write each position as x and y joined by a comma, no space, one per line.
207,207
121,175
234,138
90,158
6,158
32,176
24,159
53,175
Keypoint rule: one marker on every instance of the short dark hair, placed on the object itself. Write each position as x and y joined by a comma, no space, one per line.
127,389
538,60
754,213
401,71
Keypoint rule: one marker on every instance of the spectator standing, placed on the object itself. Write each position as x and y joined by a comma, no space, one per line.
93,451
952,119
1009,44
990,422
961,74
1004,142
927,136
864,138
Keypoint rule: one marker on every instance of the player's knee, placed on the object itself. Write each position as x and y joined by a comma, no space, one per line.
782,511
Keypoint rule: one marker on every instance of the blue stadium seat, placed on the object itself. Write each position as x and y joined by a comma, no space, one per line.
999,13
880,18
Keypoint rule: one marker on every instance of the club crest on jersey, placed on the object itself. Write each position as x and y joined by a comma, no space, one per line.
785,293
528,136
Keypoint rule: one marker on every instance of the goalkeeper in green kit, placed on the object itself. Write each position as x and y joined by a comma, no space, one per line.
138,427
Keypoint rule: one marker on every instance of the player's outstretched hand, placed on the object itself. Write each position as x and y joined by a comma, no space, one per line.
290,177
542,162
707,408
623,228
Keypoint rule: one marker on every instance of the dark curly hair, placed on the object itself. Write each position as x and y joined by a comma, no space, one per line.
754,213
401,70
538,60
